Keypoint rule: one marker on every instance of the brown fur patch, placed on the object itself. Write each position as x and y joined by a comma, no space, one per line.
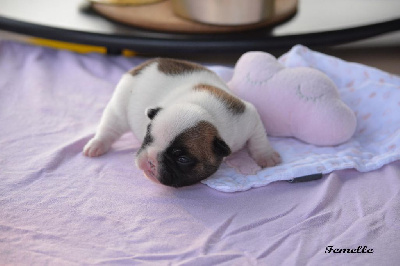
235,105
169,66
176,67
137,70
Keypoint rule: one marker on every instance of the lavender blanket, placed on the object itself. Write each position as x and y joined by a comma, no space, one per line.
58,207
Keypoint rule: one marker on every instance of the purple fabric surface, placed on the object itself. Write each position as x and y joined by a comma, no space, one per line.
58,207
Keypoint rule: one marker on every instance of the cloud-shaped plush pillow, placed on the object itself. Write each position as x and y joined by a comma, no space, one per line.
293,102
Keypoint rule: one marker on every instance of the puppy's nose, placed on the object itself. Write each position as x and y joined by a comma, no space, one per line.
150,170
152,163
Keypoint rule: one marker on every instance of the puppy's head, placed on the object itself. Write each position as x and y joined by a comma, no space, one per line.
180,147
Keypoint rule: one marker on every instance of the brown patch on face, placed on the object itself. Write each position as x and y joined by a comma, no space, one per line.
199,142
204,149
235,105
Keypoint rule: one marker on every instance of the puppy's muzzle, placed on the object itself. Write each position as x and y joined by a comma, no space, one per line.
149,167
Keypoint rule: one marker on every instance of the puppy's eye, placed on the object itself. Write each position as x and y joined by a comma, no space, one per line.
184,160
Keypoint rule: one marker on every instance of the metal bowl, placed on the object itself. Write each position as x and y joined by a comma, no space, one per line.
225,12
125,2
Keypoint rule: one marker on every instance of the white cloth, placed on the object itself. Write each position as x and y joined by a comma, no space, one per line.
374,95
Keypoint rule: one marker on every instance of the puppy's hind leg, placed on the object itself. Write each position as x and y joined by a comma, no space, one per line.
261,150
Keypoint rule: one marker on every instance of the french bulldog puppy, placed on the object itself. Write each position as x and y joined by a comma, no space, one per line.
188,121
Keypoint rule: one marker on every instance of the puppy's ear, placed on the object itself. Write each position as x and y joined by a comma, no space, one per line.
220,147
152,112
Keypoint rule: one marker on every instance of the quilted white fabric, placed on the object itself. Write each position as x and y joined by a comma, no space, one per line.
374,96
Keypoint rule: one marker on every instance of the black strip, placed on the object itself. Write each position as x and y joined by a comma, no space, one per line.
148,139
174,43
306,178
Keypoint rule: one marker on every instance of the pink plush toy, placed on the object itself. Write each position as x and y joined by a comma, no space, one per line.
293,102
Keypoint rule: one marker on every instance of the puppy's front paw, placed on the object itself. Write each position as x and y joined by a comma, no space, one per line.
95,148
269,160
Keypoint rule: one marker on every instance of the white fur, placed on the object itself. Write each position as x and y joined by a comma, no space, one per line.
175,94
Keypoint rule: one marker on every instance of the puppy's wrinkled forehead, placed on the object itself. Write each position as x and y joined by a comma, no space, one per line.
173,121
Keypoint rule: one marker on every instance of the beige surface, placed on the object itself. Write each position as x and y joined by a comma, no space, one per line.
160,17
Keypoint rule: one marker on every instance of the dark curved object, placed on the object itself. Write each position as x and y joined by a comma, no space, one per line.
306,178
